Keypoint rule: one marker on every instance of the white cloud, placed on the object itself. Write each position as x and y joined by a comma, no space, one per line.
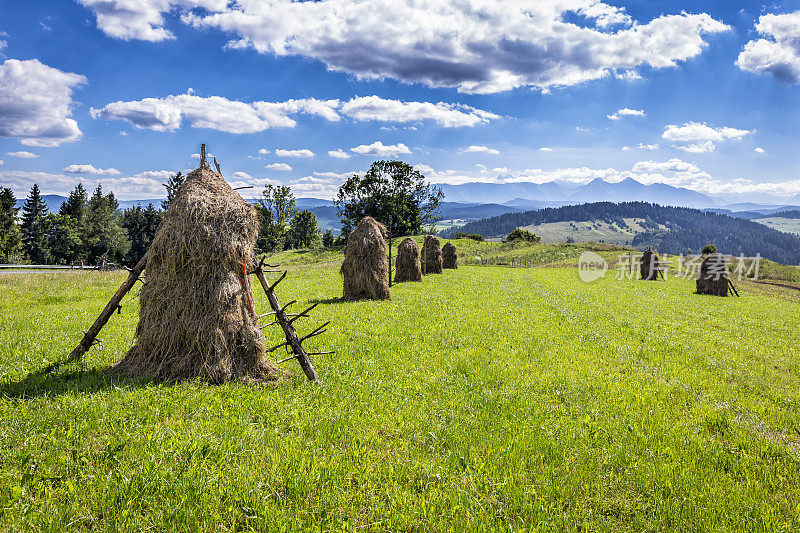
340,176
760,150
339,154
91,169
626,112
304,153
383,110
641,146
673,165
476,46
779,53
545,149
480,149
145,184
320,187
1,161
36,103
23,155
700,138
378,149
142,19
279,166
263,151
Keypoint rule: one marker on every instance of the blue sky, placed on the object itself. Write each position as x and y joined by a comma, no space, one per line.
704,95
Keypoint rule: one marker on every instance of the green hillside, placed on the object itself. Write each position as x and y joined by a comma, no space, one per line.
487,398
786,225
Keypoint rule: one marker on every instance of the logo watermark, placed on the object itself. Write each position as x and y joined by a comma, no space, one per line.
593,267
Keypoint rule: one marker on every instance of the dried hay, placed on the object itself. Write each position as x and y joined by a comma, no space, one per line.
366,268
196,317
407,267
713,278
449,256
431,255
648,265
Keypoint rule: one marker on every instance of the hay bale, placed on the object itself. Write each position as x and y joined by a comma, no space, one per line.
648,265
713,278
431,255
407,267
449,256
366,268
195,317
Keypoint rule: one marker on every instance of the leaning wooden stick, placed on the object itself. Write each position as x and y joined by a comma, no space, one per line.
292,340
90,335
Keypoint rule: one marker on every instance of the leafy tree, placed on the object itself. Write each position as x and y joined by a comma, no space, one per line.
140,227
9,229
303,229
34,234
173,184
64,238
328,240
276,208
104,234
709,249
520,234
391,192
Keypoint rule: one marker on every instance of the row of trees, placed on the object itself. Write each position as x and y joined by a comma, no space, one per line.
93,229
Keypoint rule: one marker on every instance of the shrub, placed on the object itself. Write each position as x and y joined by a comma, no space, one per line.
709,249
523,235
473,236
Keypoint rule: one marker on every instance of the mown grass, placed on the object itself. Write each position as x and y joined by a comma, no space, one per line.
487,398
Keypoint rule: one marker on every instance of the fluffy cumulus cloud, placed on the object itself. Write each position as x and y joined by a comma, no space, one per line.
36,103
378,149
222,114
625,112
475,149
303,153
146,184
641,146
92,170
283,167
778,53
474,45
22,154
338,154
697,138
383,110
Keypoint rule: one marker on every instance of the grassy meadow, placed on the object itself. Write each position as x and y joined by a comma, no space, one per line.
485,399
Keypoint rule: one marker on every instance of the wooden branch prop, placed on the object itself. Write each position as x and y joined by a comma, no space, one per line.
113,304
292,339
203,156
734,288
219,171
243,187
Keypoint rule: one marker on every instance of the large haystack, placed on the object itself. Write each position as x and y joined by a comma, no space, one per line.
366,268
196,318
449,256
713,278
648,265
407,267
431,255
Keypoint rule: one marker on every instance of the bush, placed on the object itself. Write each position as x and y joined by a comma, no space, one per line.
709,249
473,236
522,235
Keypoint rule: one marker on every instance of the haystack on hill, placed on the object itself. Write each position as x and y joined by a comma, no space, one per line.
648,265
196,317
365,268
431,255
407,267
449,256
713,278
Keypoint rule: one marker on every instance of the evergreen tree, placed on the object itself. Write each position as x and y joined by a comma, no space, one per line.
173,185
303,230
140,226
75,206
9,229
104,233
276,208
328,239
64,238
34,234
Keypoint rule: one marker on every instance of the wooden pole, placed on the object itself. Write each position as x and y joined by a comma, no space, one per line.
292,340
113,304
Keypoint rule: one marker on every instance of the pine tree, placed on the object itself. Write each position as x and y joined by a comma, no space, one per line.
104,233
9,229
173,185
76,205
140,226
34,234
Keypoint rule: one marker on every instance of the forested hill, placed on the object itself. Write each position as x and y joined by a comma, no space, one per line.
687,229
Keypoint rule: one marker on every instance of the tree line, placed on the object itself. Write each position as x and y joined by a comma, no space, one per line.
672,230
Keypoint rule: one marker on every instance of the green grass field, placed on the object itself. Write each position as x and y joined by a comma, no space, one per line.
486,398
786,225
